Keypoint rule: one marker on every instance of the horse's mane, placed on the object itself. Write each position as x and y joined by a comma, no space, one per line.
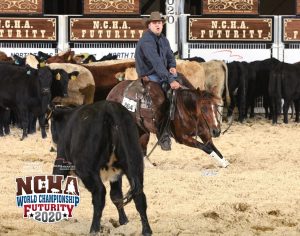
189,97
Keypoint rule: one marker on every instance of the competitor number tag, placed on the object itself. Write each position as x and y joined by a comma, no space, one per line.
129,104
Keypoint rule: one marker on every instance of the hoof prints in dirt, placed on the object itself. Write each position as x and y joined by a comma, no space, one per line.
6,229
211,214
241,207
262,228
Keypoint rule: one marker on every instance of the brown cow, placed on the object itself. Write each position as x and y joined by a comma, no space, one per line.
63,57
4,57
105,73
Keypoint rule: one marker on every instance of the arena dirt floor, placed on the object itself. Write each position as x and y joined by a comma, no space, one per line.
187,194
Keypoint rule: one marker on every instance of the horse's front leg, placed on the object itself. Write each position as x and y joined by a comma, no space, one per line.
209,148
215,154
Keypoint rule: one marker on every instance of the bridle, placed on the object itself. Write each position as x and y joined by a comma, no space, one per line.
202,112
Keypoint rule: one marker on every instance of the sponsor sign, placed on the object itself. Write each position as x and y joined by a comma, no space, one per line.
23,52
105,29
21,7
111,7
226,7
230,29
28,29
122,53
45,199
291,29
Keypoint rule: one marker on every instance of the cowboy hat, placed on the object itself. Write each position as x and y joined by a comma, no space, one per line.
155,16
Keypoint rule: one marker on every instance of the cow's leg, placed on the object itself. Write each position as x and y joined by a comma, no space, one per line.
139,197
116,196
274,109
42,120
141,206
6,121
24,121
1,121
61,167
286,106
297,109
32,123
266,106
94,184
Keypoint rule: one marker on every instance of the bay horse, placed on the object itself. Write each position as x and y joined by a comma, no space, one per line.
195,115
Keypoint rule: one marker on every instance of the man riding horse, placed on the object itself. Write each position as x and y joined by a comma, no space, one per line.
155,62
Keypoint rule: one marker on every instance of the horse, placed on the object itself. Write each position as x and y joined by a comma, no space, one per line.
195,115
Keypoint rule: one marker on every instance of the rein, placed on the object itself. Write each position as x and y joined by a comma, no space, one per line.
229,123
155,145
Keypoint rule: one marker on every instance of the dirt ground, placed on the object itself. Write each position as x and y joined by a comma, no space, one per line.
187,194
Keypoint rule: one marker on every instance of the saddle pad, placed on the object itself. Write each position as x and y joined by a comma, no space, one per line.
129,104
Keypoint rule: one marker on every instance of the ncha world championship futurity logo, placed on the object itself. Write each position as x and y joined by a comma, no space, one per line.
44,199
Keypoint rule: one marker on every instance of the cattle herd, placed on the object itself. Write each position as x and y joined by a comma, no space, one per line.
70,91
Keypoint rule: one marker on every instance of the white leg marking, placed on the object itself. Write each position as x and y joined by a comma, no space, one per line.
147,162
221,161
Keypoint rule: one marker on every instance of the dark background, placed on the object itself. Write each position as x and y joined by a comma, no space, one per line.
267,7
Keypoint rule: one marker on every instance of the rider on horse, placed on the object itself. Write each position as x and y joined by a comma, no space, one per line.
155,61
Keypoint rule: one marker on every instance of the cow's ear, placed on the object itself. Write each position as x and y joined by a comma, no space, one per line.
58,76
120,76
73,75
71,55
42,64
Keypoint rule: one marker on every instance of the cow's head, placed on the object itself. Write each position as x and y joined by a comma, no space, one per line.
60,82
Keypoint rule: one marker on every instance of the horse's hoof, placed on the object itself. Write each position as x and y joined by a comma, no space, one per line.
225,163
148,163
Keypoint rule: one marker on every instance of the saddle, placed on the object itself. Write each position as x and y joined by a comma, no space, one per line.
137,100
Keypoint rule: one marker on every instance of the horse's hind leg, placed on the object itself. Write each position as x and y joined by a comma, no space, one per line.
144,139
116,196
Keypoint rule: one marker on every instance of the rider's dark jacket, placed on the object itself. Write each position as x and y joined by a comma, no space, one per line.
153,55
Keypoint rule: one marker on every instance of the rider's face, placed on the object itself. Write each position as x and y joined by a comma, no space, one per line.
156,27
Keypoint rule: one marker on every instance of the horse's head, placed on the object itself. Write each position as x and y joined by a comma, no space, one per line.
201,107
207,112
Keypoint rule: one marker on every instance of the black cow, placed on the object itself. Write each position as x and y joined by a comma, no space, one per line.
102,138
237,86
259,82
26,90
284,84
59,88
197,59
